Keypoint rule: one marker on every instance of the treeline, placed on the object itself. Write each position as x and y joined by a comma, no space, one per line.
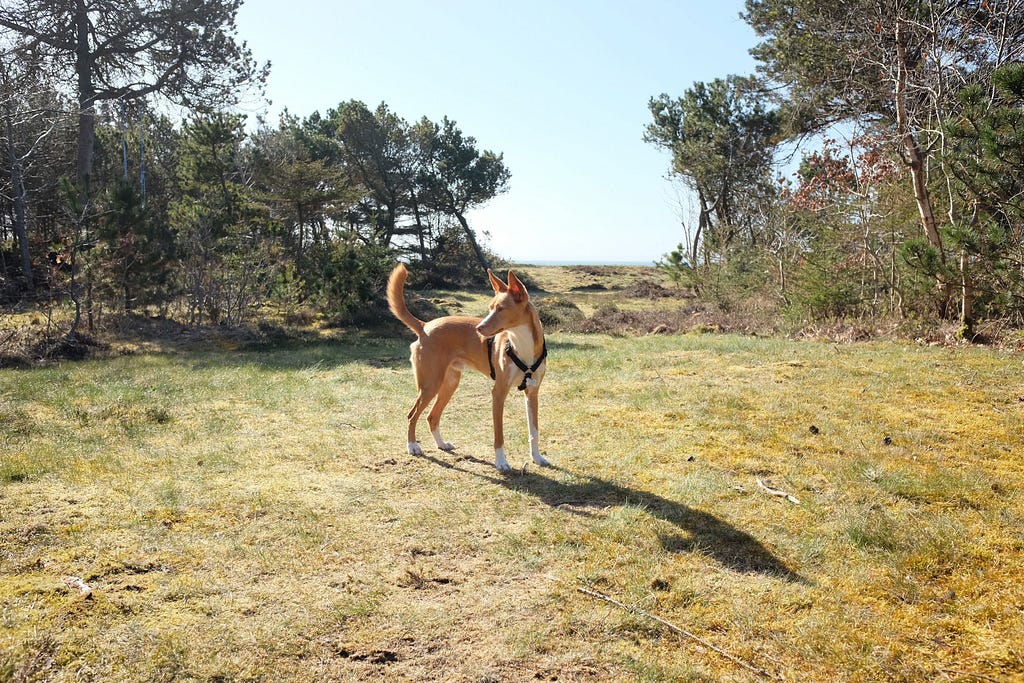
207,221
113,206
911,203
912,200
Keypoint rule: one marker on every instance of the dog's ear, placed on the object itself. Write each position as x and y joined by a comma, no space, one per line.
499,286
517,288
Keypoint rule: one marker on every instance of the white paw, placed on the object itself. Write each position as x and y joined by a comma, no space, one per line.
441,443
540,460
414,448
500,462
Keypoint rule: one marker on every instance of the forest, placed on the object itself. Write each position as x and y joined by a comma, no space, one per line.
134,184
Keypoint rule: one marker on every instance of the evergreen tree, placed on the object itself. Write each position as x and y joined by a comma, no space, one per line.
221,230
986,158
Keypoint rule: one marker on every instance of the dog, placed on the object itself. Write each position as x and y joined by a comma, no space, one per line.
507,345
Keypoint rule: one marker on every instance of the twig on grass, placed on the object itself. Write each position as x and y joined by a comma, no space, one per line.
776,492
677,630
969,674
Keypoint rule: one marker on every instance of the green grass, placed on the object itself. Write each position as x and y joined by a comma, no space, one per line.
251,515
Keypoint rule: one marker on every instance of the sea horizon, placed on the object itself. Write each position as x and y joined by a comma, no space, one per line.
551,262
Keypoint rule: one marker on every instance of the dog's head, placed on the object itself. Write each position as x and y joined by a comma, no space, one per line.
508,307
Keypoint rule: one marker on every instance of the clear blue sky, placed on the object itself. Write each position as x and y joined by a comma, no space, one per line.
560,88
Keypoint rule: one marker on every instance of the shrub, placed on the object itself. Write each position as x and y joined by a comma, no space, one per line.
556,312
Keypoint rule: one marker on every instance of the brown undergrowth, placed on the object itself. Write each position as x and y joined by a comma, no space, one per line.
614,300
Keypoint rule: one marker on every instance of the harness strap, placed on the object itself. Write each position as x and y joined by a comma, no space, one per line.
528,370
490,355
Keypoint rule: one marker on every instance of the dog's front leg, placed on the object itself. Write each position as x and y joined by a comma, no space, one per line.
498,394
531,419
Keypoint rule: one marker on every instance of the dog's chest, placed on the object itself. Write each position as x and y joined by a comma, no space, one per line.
522,342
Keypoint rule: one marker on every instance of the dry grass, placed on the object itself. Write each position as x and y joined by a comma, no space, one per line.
252,516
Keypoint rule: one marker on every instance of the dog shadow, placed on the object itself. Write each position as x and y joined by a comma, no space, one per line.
585,495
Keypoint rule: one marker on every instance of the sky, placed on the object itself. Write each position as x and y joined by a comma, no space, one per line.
560,88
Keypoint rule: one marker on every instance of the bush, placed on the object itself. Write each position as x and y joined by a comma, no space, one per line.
350,281
556,312
820,294
741,276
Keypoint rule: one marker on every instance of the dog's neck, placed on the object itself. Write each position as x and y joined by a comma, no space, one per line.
527,339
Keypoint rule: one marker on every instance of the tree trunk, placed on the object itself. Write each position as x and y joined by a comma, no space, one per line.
921,194
300,250
86,144
703,229
76,296
86,102
966,330
915,159
18,186
471,237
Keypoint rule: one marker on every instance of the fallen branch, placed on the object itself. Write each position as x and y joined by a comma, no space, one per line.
970,674
776,492
679,631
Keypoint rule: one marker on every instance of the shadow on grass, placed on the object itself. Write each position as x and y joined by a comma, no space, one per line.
700,531
366,348
360,348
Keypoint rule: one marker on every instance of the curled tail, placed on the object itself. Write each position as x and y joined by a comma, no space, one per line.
396,300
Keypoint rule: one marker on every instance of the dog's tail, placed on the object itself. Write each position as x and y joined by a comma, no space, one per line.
396,300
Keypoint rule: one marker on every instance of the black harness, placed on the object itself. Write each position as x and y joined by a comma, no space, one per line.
527,370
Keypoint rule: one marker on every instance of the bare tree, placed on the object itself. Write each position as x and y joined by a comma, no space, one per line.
28,116
181,50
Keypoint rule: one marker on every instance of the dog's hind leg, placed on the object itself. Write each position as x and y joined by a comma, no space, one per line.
414,415
444,395
428,383
429,379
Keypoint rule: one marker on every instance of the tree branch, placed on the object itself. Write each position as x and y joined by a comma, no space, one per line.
761,673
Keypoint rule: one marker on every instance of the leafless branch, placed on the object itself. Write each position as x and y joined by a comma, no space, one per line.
760,673
776,492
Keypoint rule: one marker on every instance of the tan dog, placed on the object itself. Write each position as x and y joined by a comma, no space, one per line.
508,345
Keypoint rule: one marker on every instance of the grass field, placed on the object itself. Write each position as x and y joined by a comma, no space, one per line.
251,515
